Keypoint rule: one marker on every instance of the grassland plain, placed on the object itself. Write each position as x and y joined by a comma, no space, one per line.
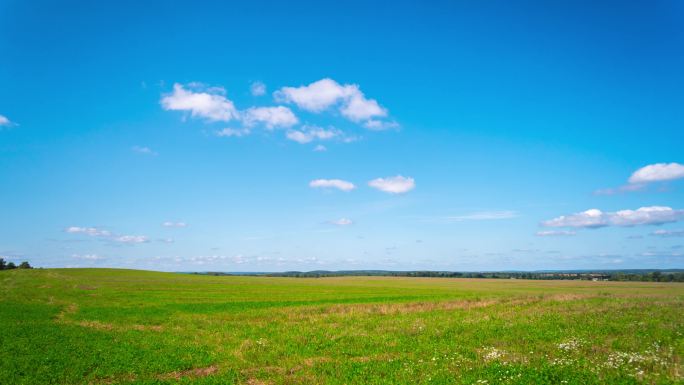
104,326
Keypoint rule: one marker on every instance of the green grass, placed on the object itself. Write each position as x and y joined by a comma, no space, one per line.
102,326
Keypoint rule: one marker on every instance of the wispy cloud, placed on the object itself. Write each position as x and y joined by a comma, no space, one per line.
484,216
5,122
474,216
379,125
342,222
143,150
91,231
131,239
620,190
234,132
668,233
174,224
339,184
594,218
393,184
555,233
88,257
107,235
257,88
307,134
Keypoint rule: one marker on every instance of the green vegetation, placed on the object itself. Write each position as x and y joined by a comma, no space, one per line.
675,275
10,265
102,326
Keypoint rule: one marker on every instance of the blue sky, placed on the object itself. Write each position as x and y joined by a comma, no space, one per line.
271,136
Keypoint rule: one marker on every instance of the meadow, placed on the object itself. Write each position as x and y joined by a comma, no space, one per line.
106,326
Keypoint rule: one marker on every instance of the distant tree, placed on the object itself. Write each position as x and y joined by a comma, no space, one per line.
3,264
11,266
25,265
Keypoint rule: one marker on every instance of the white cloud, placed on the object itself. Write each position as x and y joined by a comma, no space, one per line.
257,88
96,232
325,93
210,103
332,183
236,132
143,150
658,172
91,231
271,117
4,121
653,215
589,218
380,125
594,218
619,190
394,184
320,148
555,233
174,224
308,134
342,222
88,257
668,233
317,96
358,108
131,239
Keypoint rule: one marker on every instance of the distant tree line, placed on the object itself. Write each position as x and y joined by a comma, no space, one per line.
10,265
632,275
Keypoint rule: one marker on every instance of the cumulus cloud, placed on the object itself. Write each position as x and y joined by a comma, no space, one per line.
325,93
358,108
342,222
308,134
271,117
555,233
393,184
315,97
332,183
594,218
174,224
658,172
143,150
641,178
320,148
208,103
257,88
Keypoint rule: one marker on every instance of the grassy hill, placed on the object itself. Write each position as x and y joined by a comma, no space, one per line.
108,326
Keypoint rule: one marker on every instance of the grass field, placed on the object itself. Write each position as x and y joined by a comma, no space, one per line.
101,326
